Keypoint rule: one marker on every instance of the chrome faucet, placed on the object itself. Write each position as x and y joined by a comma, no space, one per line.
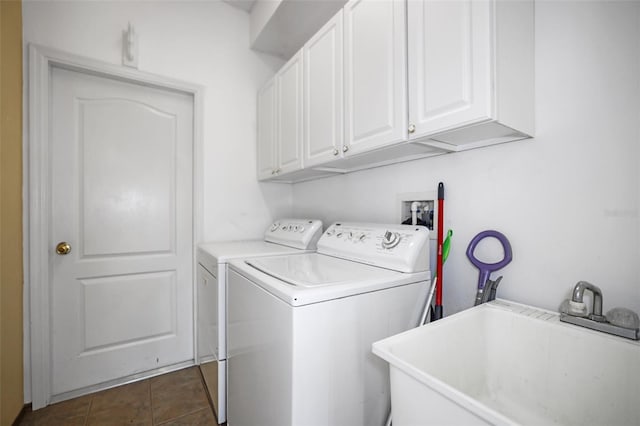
578,292
575,312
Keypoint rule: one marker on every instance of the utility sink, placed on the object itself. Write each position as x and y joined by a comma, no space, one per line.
504,363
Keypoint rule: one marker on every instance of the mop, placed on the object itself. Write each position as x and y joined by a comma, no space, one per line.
446,246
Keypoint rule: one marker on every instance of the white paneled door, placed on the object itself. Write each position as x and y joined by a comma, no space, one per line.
121,298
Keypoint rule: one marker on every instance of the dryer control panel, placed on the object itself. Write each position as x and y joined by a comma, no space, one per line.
403,248
297,233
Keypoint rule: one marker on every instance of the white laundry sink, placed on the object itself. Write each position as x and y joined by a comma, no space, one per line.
504,363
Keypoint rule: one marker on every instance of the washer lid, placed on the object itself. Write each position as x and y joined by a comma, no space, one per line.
313,270
307,278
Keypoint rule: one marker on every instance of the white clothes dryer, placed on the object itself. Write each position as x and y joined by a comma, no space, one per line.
301,327
283,237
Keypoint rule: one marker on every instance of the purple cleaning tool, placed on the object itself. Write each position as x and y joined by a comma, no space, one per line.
487,268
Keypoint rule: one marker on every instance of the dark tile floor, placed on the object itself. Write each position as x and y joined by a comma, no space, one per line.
177,398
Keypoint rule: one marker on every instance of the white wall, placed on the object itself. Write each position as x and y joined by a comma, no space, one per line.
567,200
205,43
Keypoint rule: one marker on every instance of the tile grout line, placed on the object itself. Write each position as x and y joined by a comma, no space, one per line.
153,422
209,406
183,415
86,417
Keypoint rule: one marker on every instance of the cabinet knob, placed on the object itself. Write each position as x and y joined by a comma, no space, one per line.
335,152
412,128
277,170
345,148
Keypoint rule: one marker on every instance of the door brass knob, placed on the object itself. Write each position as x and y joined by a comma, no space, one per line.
63,248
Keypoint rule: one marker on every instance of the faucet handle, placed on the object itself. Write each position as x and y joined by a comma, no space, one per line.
623,317
577,309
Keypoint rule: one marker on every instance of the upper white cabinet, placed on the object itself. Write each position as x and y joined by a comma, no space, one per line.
279,147
323,94
470,72
375,74
289,116
266,147
393,80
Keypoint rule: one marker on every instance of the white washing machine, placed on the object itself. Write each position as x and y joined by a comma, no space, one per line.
286,236
301,327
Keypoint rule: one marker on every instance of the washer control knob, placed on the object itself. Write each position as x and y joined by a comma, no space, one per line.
300,228
390,240
362,237
274,226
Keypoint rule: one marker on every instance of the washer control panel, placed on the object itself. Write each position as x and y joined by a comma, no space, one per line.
402,248
298,233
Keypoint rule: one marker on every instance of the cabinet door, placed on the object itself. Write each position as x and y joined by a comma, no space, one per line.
375,73
289,116
266,147
323,98
449,64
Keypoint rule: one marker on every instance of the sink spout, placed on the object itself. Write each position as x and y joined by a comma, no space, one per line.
578,293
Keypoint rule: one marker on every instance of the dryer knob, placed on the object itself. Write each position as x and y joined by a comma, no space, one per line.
390,240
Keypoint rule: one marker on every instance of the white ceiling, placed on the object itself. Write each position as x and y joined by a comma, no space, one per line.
290,25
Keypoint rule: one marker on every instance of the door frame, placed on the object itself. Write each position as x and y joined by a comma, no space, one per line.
37,196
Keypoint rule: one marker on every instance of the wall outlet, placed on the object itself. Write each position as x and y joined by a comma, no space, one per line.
426,211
